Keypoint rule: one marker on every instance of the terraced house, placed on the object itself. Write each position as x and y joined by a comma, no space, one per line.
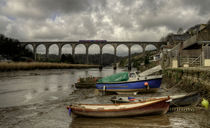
192,52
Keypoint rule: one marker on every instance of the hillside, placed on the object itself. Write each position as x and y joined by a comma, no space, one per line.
140,61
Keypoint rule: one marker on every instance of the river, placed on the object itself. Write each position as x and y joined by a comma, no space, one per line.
38,98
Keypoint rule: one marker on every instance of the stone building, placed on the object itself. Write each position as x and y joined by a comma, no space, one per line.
174,39
194,51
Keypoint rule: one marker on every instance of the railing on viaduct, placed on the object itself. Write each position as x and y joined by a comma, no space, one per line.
88,43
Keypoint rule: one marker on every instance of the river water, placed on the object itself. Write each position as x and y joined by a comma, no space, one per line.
38,98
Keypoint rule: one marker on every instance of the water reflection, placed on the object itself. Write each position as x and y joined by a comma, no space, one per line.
39,85
131,122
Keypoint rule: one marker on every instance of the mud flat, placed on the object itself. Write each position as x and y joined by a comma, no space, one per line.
55,114
38,99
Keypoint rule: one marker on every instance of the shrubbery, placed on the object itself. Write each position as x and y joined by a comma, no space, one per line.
12,49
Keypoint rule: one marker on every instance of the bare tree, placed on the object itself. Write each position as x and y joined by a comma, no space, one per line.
180,31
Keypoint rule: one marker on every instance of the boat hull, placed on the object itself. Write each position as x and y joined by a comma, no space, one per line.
155,107
132,86
85,85
177,101
190,99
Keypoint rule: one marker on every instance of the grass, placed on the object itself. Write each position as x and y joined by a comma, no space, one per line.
5,66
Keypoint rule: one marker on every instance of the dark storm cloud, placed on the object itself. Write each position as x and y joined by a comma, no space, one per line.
127,2
153,14
99,19
201,5
41,9
68,6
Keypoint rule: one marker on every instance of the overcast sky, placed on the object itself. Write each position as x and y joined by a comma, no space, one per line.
123,20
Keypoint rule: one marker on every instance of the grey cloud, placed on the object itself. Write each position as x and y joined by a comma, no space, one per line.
170,14
4,22
90,27
202,6
99,19
127,2
52,34
40,9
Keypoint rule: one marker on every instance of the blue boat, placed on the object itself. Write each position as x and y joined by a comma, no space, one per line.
133,84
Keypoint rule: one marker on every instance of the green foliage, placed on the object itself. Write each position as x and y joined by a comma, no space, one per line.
146,59
108,59
11,49
122,62
136,63
67,58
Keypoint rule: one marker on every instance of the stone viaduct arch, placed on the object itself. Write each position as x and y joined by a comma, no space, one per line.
87,44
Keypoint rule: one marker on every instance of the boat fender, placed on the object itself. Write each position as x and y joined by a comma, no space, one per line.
205,103
146,84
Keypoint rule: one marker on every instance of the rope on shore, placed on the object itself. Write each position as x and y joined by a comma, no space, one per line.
184,109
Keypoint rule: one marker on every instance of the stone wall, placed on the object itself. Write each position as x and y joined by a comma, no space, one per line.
190,53
189,79
203,35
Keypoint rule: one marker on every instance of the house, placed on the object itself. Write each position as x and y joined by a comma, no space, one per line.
193,30
155,57
194,51
174,39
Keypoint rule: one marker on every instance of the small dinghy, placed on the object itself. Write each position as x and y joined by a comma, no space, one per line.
176,100
153,106
87,82
191,99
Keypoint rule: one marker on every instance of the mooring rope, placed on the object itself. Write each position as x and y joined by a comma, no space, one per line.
184,109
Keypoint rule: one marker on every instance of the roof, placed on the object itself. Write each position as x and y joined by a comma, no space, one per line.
196,28
178,37
169,46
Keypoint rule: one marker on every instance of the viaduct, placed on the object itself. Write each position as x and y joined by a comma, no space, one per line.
88,43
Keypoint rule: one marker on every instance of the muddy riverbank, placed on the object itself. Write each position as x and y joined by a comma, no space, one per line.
189,79
45,107
55,114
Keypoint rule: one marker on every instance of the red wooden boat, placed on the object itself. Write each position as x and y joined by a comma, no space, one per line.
153,106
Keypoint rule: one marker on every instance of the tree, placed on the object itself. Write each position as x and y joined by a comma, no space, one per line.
11,48
67,58
63,58
208,22
180,31
146,59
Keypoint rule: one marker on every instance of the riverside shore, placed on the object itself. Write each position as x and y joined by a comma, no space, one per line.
189,79
10,66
